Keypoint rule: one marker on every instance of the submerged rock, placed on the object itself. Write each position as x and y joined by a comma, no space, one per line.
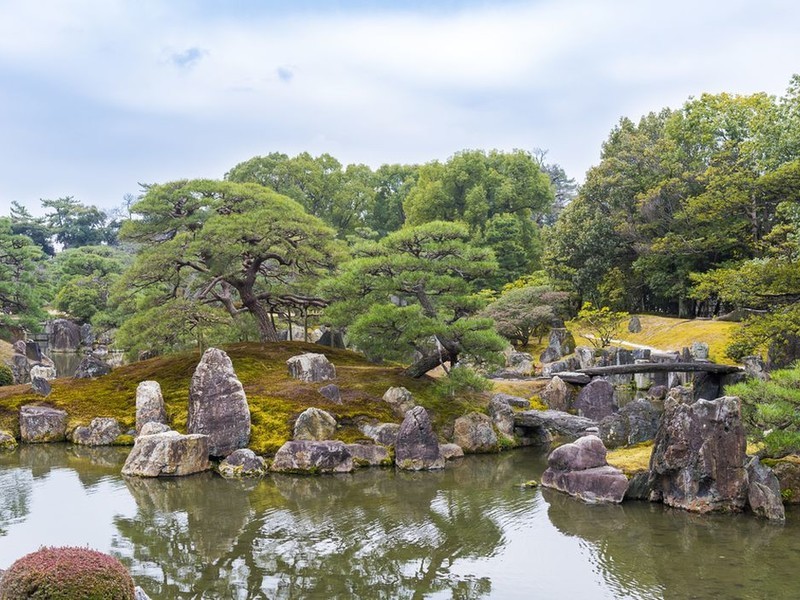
42,424
167,454
149,404
218,405
580,469
313,457
417,448
311,367
242,463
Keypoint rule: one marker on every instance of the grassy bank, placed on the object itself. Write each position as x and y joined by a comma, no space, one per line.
275,399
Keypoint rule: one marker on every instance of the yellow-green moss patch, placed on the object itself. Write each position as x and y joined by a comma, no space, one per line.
632,459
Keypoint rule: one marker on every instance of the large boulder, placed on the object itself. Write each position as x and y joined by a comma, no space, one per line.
311,367
635,422
559,395
519,364
474,433
596,400
502,416
242,463
381,433
400,400
787,470
43,372
370,455
580,469
91,367
699,455
102,431
149,404
417,448
555,422
167,454
217,404
20,368
41,386
764,491
314,424
65,336
561,341
42,424
313,457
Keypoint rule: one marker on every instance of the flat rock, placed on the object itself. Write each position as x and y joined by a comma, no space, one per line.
370,455
154,427
474,432
149,404
311,367
102,431
554,421
167,454
242,463
515,401
217,404
313,457
314,424
417,447
600,484
39,424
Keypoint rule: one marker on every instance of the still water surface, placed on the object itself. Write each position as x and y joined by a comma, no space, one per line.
467,532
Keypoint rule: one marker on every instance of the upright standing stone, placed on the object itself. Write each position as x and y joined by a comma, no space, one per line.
559,395
596,400
20,368
149,404
217,404
65,336
417,448
764,491
634,325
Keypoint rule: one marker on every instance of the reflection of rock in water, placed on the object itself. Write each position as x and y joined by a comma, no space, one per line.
92,464
15,494
670,553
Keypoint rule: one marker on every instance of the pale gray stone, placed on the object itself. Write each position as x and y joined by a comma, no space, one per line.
311,367
102,431
369,455
314,424
42,424
149,404
400,399
313,457
167,454
242,463
474,433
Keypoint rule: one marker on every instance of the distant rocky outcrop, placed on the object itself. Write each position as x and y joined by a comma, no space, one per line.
167,454
39,424
91,367
313,457
217,404
581,470
64,336
311,367
314,424
102,431
417,448
698,461
149,404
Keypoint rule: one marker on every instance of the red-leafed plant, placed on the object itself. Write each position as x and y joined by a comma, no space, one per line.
67,574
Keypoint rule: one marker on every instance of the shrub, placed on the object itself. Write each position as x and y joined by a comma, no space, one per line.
67,574
6,376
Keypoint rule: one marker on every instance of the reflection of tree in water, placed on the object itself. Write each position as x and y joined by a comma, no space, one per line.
16,487
375,533
658,552
92,464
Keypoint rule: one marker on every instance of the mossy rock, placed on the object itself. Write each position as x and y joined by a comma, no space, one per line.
7,441
67,573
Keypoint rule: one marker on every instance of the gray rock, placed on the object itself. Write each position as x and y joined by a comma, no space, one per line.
44,372
167,454
580,469
91,367
310,367
331,392
149,404
635,422
641,354
787,470
555,422
705,385
574,378
764,491
313,457
474,433
570,363
514,401
519,363
139,594
87,335
585,356
754,367
242,463
20,347
699,350
314,424
153,427
41,386
332,339
549,355
502,416
699,453
558,394
417,448
65,336
218,405
102,431
370,455
635,325
657,392
382,433
451,451
562,341
639,486
400,399
596,400
643,381
39,424
20,368
7,441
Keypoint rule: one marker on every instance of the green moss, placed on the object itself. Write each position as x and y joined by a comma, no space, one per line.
124,440
632,459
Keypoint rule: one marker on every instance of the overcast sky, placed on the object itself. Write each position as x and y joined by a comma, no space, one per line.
98,95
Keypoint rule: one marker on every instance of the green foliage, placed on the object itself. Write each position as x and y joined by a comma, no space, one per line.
462,380
759,333
771,410
22,282
600,323
523,312
74,224
6,376
67,573
412,292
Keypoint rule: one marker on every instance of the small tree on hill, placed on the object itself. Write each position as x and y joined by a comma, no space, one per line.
521,313
599,323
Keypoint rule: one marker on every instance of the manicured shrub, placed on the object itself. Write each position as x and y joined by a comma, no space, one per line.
6,376
67,574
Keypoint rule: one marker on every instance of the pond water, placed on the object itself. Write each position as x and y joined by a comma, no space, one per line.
469,531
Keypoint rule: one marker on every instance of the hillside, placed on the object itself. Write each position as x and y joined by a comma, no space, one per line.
275,399
669,333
